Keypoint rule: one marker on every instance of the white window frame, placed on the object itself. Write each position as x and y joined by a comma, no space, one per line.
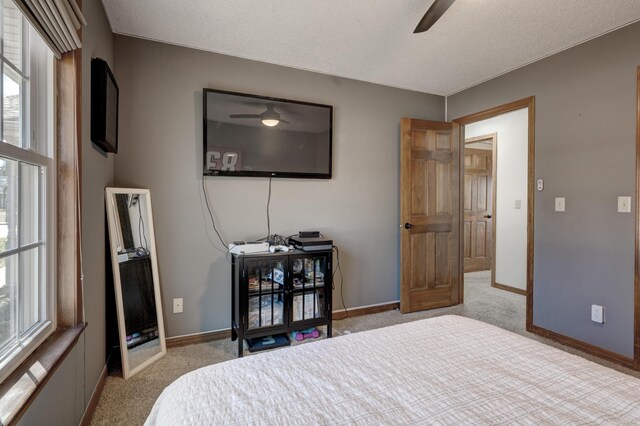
37,105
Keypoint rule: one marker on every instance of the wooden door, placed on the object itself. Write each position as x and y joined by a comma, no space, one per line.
478,209
430,212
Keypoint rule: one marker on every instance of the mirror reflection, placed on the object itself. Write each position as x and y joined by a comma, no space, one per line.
135,278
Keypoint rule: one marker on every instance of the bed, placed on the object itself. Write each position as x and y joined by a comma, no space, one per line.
444,370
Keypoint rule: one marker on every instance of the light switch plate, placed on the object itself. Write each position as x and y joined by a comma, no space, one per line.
518,204
624,204
560,204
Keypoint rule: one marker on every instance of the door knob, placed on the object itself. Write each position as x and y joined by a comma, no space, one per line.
487,216
408,225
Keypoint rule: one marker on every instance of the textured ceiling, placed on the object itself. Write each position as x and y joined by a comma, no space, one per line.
373,40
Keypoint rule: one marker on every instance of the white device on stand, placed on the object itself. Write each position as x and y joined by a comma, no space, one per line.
274,249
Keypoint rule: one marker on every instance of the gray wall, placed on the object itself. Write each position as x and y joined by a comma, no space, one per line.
97,173
161,149
61,402
64,398
585,151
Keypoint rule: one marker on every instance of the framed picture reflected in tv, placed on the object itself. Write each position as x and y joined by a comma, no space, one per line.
104,106
251,135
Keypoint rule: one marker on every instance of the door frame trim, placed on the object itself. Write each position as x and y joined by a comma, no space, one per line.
493,137
490,113
636,297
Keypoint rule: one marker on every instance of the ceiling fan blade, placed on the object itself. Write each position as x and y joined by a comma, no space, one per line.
284,121
244,115
437,9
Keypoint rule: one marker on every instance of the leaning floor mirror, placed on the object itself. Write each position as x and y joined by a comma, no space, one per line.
135,278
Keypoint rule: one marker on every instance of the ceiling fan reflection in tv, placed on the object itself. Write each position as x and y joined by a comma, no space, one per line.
269,118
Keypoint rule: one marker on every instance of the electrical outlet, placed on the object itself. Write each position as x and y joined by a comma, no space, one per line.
178,306
518,204
597,314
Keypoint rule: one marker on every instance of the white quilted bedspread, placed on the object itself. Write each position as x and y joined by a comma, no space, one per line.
444,370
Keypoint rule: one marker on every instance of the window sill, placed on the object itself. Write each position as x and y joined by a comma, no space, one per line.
22,386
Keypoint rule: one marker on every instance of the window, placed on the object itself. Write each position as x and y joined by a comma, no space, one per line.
27,185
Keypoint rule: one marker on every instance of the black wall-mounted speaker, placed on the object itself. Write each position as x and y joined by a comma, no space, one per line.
104,106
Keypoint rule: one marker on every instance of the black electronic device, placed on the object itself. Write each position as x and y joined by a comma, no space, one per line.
249,135
311,244
104,106
309,234
268,342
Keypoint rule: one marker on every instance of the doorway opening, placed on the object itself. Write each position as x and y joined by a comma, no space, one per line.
497,193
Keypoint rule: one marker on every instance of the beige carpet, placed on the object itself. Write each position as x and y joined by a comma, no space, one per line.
129,402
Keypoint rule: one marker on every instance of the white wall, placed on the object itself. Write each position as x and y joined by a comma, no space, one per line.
511,231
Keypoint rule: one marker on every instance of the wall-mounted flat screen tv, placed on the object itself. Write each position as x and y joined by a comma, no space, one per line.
249,135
